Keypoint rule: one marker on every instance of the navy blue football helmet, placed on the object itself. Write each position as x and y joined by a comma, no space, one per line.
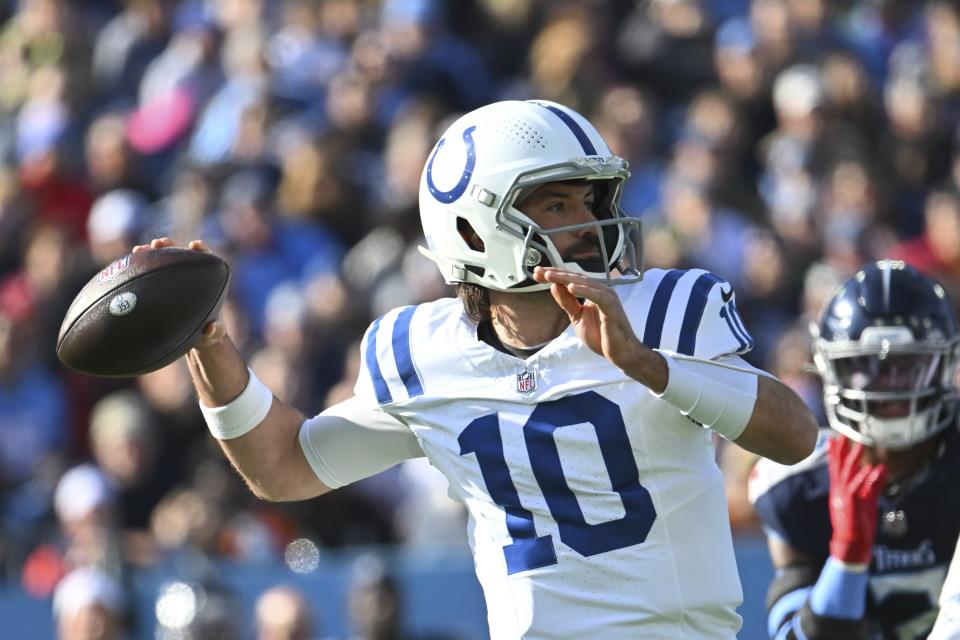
886,348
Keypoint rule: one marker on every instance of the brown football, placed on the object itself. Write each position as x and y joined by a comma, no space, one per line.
142,312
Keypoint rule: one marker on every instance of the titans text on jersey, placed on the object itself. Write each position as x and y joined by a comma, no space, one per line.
916,537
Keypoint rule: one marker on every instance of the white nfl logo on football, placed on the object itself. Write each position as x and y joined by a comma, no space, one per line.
113,269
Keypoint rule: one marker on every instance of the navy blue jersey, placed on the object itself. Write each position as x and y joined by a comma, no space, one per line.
916,536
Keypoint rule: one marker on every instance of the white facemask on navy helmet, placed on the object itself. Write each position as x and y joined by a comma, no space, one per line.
486,162
886,348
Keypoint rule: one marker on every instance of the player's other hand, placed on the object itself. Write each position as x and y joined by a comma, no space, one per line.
216,330
855,489
599,320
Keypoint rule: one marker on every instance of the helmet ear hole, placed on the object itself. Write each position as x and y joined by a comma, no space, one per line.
469,235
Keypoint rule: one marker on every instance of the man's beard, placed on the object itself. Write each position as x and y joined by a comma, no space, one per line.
592,263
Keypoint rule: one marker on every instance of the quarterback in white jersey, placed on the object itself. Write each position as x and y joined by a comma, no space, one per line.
593,505
572,417
947,625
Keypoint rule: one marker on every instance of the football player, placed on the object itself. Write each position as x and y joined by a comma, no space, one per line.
947,626
861,532
572,417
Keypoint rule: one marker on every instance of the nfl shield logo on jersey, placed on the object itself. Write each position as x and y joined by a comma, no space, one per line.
526,381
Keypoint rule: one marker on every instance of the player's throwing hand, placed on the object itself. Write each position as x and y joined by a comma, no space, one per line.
854,491
599,320
213,332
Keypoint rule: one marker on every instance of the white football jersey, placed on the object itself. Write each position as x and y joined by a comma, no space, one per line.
596,510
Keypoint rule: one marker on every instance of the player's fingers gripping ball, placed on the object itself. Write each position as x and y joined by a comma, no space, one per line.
854,492
145,310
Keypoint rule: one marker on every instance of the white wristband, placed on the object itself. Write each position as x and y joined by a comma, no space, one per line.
242,414
715,395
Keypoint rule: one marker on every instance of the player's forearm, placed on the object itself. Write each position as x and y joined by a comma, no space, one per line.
758,412
835,606
804,624
218,371
270,459
646,366
813,602
268,456
781,427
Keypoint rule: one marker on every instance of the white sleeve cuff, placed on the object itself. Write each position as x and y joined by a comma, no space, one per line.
714,394
352,440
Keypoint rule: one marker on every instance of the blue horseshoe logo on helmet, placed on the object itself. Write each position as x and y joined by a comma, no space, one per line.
453,194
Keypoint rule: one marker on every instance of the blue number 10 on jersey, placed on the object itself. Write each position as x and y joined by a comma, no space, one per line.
528,551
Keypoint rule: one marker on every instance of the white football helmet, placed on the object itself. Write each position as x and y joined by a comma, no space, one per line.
481,167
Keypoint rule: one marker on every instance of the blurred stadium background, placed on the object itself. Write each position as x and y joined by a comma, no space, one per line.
779,143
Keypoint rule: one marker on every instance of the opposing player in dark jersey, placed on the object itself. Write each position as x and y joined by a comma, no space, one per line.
861,532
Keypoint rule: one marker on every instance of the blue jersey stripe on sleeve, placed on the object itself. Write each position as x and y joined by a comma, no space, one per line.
658,308
401,352
694,313
373,366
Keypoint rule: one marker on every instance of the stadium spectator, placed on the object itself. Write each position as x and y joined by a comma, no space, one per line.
32,399
914,148
90,604
216,139
793,156
282,613
197,607
627,117
127,448
125,46
669,47
86,534
937,251
375,605
427,60
110,161
373,602
116,218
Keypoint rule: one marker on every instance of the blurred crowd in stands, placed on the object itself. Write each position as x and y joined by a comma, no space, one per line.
778,143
